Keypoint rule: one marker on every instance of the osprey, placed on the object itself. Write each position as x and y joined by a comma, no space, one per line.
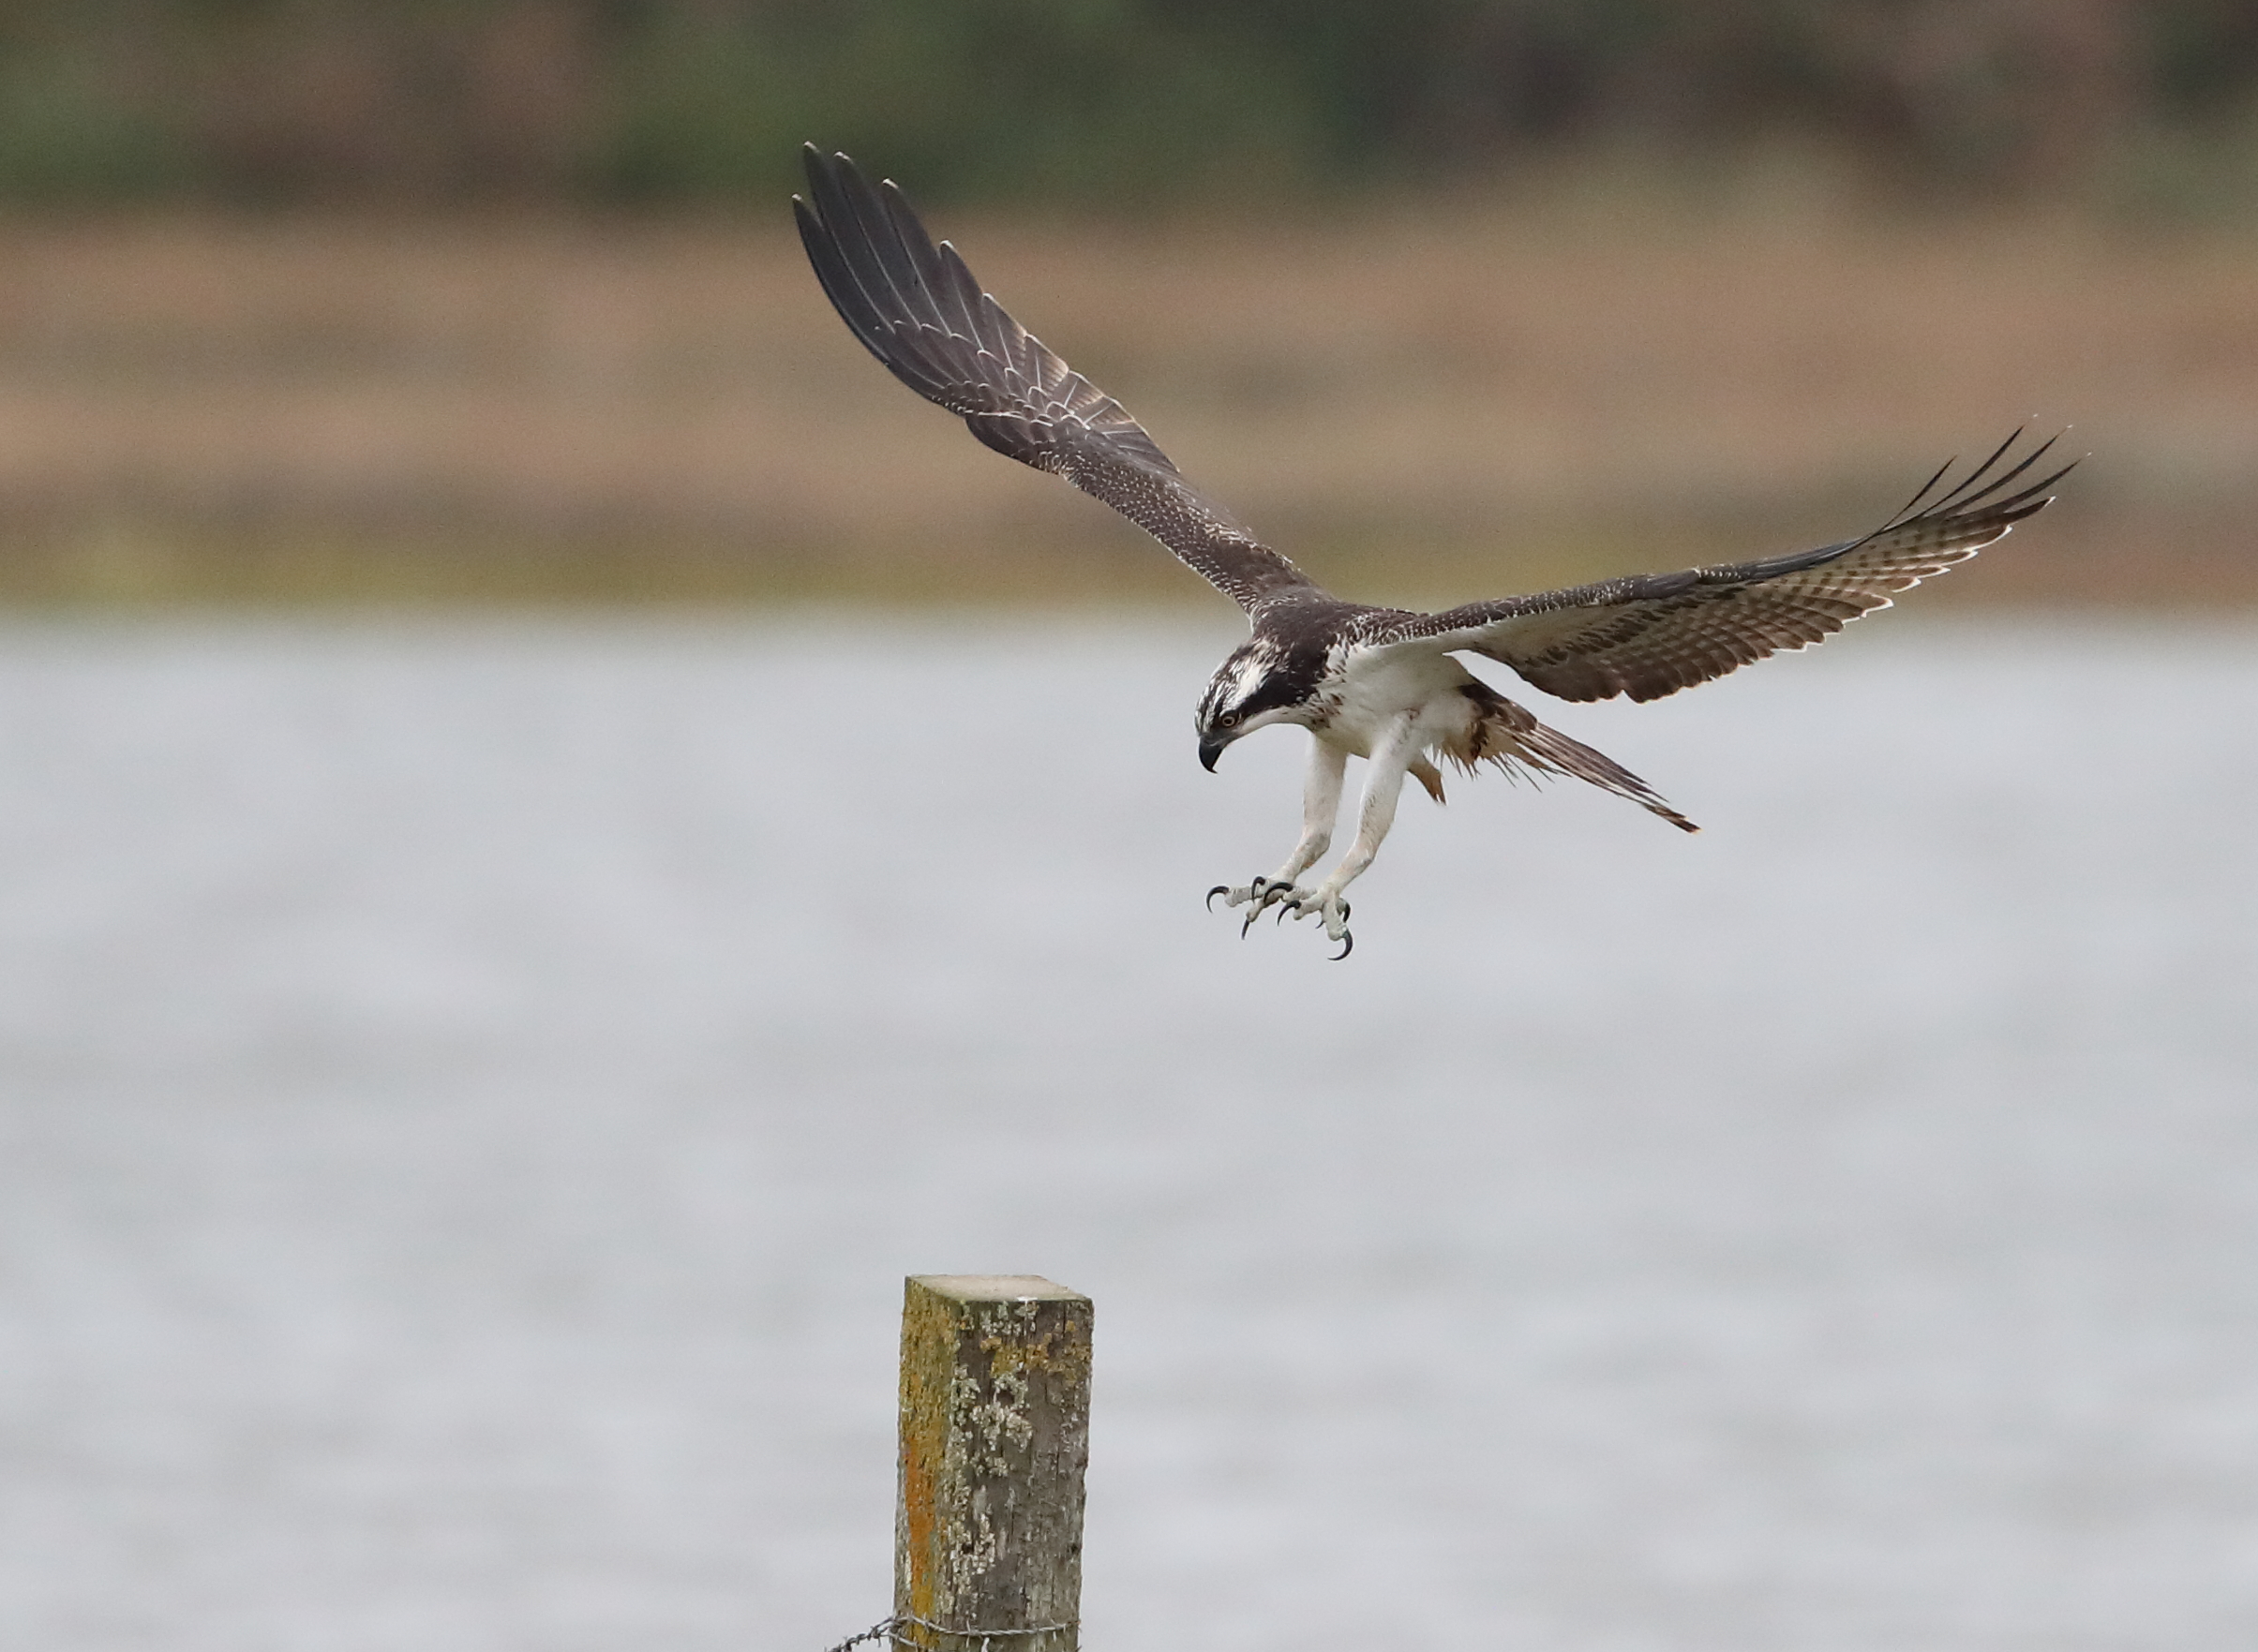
1370,682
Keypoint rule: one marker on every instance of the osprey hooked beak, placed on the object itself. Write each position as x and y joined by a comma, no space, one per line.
1211,748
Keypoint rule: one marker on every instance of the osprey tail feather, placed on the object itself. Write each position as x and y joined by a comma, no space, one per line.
1510,737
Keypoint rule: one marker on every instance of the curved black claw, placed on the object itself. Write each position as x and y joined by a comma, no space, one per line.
1347,942
1255,906
1219,889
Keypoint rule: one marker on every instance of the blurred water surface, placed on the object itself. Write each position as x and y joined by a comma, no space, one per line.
471,1090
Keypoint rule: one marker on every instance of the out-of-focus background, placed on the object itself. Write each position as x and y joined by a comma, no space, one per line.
321,300
561,832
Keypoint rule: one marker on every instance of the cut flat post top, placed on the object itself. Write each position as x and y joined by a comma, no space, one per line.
995,1433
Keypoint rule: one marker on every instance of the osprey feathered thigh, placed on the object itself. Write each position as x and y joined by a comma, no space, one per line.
1372,682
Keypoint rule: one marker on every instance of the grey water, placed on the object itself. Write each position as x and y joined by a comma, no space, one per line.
470,1092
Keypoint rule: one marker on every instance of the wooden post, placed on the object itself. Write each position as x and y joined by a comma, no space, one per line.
995,1433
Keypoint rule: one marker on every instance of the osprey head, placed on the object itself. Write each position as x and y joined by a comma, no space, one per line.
1259,684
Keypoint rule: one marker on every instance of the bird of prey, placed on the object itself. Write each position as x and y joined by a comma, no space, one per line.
1370,682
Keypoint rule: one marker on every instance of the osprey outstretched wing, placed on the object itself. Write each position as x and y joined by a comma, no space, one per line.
1651,634
918,309
1376,683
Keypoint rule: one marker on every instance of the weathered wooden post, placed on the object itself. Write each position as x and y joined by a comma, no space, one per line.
995,1433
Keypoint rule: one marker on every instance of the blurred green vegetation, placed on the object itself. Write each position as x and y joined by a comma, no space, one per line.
704,102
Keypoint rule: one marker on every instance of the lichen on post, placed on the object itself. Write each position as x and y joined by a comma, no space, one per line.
996,1432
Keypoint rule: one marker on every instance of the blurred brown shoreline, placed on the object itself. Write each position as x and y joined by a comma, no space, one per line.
1465,398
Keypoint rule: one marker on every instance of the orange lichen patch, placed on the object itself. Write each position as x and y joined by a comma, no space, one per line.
1065,1350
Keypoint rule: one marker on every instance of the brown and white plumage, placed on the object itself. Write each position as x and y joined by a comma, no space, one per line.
919,310
1373,682
1651,634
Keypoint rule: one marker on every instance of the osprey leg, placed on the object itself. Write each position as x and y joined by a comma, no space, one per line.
1321,807
1391,760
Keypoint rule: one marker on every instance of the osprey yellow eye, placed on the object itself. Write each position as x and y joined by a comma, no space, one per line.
1229,719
